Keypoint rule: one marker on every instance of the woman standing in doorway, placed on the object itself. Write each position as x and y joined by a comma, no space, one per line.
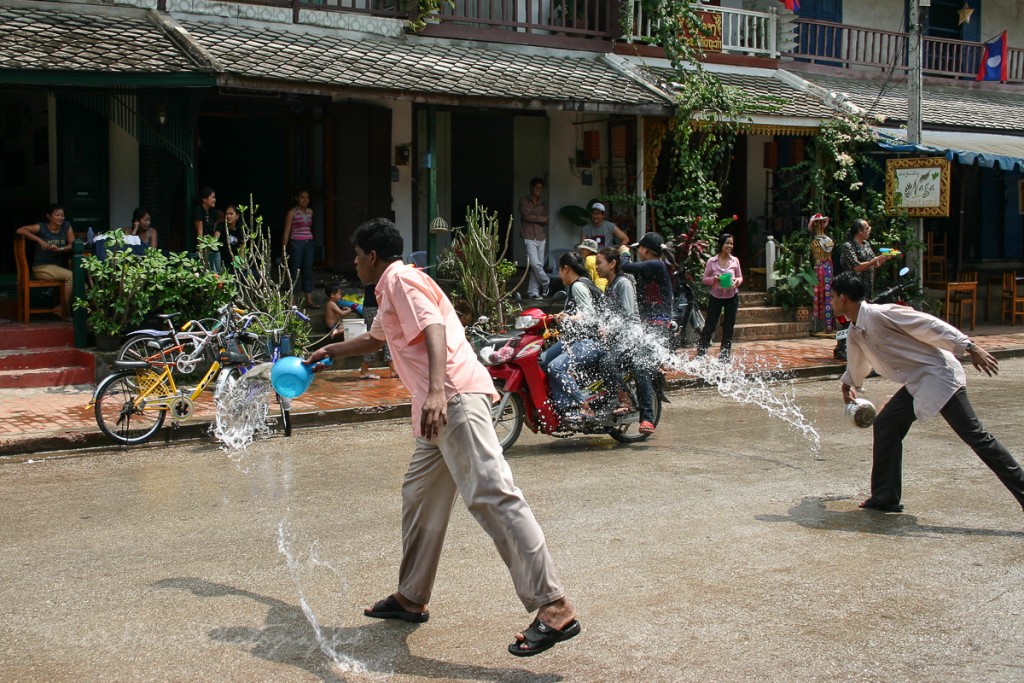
205,222
298,241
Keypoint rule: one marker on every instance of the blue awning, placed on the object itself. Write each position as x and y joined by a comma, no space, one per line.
1005,152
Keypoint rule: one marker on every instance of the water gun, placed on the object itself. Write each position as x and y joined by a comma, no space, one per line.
358,308
890,251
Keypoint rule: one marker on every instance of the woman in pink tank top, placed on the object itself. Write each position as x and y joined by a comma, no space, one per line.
300,246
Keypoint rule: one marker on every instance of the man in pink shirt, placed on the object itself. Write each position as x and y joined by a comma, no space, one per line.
457,449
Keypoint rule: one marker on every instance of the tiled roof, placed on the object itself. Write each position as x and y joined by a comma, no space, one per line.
777,97
61,40
417,67
972,108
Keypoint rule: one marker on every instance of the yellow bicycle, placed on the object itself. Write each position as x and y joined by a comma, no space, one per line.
132,404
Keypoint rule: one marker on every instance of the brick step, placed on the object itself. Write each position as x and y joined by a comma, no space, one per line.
789,330
54,357
47,377
748,299
35,335
763,314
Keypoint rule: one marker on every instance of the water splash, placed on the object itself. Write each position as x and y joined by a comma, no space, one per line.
298,569
243,404
746,379
752,380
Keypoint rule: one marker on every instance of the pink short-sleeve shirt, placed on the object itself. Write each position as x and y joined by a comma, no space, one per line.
408,302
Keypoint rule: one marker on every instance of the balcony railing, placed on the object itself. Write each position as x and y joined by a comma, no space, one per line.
558,18
742,31
823,42
594,24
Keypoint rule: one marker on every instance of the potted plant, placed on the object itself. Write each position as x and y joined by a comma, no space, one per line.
476,261
116,296
794,291
124,288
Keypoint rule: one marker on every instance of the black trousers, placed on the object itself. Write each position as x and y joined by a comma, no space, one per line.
715,307
892,424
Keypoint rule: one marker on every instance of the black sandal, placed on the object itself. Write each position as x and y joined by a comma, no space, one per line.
540,637
390,608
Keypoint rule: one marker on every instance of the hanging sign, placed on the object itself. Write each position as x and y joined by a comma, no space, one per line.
919,186
710,34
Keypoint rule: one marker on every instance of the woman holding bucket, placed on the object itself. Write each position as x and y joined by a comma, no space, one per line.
724,276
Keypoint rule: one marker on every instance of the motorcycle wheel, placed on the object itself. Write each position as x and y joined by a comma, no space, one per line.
630,433
509,424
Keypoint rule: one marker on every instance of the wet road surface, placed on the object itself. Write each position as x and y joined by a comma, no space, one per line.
720,550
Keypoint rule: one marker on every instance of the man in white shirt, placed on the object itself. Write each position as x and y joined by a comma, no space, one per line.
914,349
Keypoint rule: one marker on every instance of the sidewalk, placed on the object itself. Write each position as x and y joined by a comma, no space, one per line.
59,419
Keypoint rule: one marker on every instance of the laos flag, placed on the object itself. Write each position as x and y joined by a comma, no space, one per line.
792,5
993,62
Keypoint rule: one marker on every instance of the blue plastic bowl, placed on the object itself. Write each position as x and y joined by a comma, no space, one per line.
290,377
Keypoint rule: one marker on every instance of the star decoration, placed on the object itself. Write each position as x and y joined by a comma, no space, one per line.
965,13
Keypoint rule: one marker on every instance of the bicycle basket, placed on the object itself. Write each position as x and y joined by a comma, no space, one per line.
151,382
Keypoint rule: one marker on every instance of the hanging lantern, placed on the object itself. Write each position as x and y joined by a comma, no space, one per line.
438,225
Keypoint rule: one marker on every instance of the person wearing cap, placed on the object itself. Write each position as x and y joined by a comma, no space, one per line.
654,292
588,249
457,450
722,298
602,231
533,213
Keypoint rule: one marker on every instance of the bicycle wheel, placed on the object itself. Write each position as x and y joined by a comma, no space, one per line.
509,424
286,413
120,414
143,347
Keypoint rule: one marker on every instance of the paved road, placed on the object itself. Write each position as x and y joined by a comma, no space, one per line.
721,550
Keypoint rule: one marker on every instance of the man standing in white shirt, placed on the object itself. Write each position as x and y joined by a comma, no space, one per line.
914,349
533,213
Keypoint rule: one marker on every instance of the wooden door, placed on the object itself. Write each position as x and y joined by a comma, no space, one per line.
362,173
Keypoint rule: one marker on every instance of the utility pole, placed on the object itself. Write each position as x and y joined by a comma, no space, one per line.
918,17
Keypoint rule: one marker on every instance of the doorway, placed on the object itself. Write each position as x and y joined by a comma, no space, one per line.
482,165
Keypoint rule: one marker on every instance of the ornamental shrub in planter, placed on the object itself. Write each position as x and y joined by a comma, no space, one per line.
125,288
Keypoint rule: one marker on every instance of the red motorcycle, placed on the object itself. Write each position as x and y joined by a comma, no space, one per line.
513,361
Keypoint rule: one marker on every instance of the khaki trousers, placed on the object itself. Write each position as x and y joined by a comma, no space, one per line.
466,459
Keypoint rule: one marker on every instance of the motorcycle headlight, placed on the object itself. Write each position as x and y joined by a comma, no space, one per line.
525,322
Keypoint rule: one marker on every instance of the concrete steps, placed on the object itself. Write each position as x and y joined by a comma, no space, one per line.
756,321
42,355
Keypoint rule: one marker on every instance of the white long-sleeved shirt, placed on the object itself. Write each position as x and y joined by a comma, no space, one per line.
909,347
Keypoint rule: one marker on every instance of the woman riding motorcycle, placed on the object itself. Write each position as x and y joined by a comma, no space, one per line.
622,323
577,348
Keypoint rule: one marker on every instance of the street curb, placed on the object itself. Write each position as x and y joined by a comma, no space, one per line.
80,443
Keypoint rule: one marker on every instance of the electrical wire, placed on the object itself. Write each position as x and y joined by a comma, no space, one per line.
887,82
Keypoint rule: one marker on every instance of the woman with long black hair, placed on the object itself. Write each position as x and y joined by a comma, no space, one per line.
577,347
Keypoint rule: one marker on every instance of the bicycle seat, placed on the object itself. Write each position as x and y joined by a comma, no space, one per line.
167,316
131,365
233,358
